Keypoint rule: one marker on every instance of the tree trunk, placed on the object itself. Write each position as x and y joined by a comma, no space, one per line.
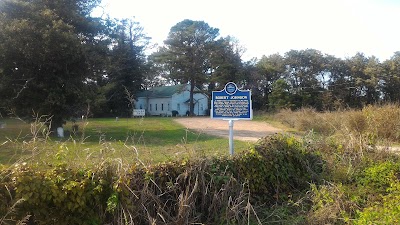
191,101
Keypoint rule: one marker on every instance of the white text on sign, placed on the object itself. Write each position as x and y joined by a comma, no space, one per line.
230,97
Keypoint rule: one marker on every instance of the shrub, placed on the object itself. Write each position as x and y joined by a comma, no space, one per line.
379,177
370,198
381,183
7,205
332,204
279,164
185,192
213,191
57,195
175,113
387,212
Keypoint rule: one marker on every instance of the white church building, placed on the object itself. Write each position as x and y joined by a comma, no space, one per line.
170,100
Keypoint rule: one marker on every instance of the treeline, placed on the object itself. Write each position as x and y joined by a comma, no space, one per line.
57,59
309,78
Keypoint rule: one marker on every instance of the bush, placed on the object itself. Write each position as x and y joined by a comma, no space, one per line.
379,177
381,184
169,193
56,195
175,113
278,165
186,192
387,212
371,197
218,190
333,203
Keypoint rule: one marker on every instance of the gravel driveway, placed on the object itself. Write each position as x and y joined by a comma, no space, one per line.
245,130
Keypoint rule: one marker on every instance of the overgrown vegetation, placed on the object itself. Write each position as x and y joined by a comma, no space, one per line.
216,190
372,123
321,177
362,168
152,139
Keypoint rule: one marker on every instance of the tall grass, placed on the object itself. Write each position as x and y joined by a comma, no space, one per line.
88,141
358,182
105,147
353,143
376,122
223,190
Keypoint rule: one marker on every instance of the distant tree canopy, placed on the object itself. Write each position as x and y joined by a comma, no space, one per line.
193,54
309,78
44,47
55,59
127,68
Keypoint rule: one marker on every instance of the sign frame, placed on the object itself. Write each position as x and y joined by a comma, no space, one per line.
231,93
139,113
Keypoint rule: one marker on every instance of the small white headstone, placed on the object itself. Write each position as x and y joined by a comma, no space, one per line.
60,132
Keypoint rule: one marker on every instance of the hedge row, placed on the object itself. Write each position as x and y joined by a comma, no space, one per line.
218,190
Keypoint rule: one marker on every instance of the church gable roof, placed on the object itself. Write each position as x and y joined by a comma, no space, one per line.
165,91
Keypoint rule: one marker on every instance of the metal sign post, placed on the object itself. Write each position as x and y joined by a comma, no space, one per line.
231,104
231,137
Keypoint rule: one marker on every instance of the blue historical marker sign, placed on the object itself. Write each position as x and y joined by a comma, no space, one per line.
231,103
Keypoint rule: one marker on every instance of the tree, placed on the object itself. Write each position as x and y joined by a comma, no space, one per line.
270,69
339,85
44,49
154,76
391,78
186,54
127,67
280,96
365,72
305,71
374,74
225,63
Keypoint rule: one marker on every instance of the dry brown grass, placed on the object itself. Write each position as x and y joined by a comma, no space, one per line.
384,121
307,119
195,196
347,137
378,122
330,205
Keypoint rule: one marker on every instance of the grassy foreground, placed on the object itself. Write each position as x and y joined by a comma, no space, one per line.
338,172
149,139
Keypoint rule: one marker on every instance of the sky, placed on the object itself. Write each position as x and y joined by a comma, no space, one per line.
264,27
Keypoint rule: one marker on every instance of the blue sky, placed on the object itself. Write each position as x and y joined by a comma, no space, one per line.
264,27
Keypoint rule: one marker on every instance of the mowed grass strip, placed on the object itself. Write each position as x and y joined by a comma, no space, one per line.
129,140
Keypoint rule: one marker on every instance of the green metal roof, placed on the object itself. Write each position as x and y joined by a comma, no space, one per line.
165,91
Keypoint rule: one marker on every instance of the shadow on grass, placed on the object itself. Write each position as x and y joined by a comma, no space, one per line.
151,139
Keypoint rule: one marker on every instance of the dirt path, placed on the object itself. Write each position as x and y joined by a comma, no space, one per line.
243,129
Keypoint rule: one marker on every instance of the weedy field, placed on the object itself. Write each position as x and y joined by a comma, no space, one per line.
150,139
337,169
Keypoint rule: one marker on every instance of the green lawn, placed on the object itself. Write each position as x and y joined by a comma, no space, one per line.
150,139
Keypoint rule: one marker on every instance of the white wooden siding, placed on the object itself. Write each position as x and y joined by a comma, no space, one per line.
165,105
